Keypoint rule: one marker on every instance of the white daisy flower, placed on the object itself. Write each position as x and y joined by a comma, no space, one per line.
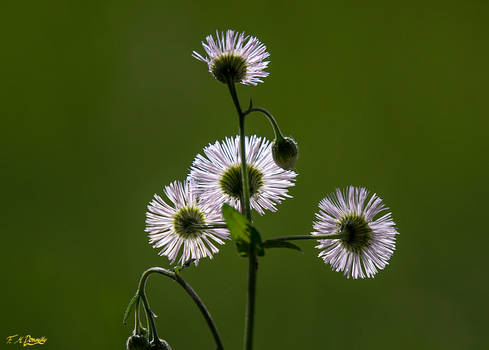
235,56
217,176
171,226
367,243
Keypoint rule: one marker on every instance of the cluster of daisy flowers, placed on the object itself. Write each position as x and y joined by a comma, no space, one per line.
189,225
188,219
355,231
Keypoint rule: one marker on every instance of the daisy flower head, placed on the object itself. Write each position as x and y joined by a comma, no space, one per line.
180,224
236,57
217,175
367,241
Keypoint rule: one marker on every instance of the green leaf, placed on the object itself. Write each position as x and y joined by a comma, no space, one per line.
237,223
130,307
243,248
242,231
280,244
239,227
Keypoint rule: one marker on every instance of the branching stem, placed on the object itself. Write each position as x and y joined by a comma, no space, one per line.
305,237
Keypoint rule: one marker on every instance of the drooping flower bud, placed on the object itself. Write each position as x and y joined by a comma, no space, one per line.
159,344
285,152
137,342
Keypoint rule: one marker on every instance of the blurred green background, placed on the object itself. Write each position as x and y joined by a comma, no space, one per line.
102,105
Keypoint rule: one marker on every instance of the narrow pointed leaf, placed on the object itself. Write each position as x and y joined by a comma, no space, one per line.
129,308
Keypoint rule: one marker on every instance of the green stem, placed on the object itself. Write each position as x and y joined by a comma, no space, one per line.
137,328
149,315
276,128
245,209
245,198
250,310
207,316
305,237
190,292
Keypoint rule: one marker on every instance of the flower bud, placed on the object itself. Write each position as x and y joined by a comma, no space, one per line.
285,152
159,345
137,342
143,331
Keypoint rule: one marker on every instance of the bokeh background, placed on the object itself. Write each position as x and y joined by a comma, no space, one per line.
102,105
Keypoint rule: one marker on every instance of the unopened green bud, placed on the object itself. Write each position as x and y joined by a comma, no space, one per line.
137,342
159,344
285,152
143,331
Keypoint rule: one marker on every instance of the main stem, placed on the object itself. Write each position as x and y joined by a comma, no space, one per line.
245,198
245,209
